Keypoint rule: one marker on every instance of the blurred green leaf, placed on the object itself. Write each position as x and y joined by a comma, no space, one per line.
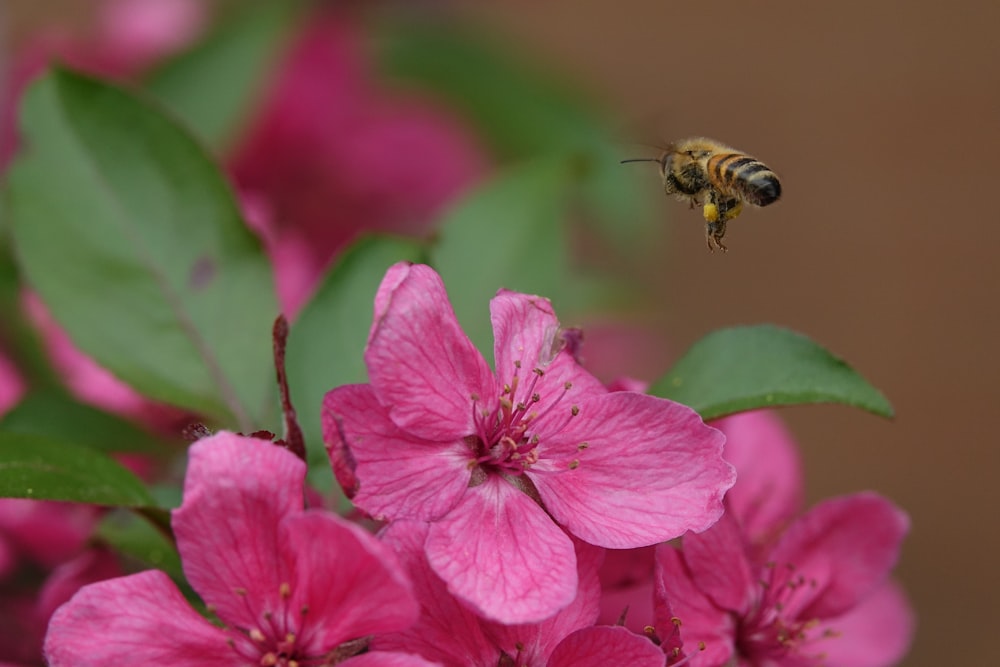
212,86
133,240
522,112
17,338
57,416
139,539
744,368
508,233
327,340
43,469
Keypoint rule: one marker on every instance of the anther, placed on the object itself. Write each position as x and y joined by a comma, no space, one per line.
582,446
575,410
568,386
285,590
240,591
257,635
574,464
268,660
538,371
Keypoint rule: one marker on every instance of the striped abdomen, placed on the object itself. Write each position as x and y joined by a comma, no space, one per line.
744,176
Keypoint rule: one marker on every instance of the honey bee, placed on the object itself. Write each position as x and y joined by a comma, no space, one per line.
717,178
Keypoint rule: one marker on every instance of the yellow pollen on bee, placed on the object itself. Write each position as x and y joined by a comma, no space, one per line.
711,212
257,635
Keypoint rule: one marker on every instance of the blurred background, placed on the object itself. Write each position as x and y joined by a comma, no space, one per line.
882,121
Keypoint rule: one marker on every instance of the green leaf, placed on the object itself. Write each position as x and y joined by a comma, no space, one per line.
59,417
327,341
43,469
212,86
18,338
762,366
138,538
508,233
133,240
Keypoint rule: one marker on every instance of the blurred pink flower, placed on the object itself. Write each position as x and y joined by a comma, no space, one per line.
438,437
291,584
763,587
451,634
332,153
12,385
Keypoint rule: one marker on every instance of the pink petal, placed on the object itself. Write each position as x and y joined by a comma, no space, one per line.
527,337
499,552
768,492
420,362
601,646
876,633
677,596
399,475
351,584
388,659
631,470
236,492
843,548
717,561
137,620
447,630
93,565
541,639
46,531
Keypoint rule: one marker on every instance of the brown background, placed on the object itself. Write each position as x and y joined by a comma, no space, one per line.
882,119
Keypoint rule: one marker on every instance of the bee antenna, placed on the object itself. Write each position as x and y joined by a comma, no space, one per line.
639,159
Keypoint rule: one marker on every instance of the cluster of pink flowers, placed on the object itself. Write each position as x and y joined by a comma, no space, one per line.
502,491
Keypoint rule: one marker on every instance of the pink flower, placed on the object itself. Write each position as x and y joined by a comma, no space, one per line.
289,584
490,460
760,588
453,635
334,152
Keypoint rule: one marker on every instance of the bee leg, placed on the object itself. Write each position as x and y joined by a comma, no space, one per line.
714,231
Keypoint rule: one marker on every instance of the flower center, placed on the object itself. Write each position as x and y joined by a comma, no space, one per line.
275,642
506,440
769,632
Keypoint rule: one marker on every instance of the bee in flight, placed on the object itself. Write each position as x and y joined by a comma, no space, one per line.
717,178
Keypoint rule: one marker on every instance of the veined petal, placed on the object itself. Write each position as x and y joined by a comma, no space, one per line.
769,492
630,470
499,552
236,492
141,619
526,339
421,364
603,645
399,475
542,638
351,584
718,563
876,633
388,659
676,596
525,332
447,630
842,549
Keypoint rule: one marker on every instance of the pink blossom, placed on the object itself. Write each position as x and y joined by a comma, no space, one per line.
333,152
762,587
452,634
289,584
490,460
